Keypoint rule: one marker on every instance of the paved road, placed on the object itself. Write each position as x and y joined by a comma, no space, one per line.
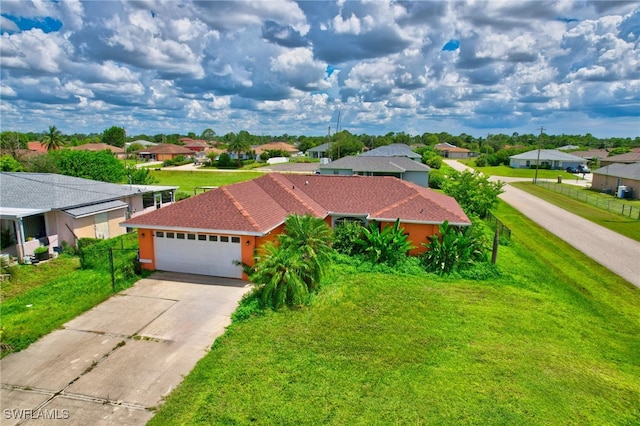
618,253
112,364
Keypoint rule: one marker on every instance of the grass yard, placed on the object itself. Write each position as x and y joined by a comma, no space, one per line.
555,340
507,171
188,180
623,225
41,298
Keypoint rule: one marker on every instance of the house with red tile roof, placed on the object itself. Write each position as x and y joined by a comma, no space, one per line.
36,146
165,151
448,150
276,146
195,145
206,234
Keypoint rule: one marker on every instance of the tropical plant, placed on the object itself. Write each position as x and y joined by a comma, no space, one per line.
455,249
387,246
53,140
239,145
10,164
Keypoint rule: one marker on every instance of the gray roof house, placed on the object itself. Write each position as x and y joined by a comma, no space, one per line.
549,158
627,158
44,209
320,151
365,165
611,177
393,150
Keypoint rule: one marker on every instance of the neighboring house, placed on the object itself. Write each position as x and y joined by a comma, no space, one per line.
140,142
36,146
592,154
195,145
448,150
117,151
568,148
320,151
401,167
549,158
163,152
210,233
202,157
276,146
627,158
609,178
46,209
393,150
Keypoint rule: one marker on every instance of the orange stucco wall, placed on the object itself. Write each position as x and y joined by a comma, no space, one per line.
418,234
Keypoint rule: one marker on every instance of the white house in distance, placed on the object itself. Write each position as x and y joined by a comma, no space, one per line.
549,158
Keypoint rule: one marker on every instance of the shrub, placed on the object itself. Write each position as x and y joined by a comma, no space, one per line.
387,246
455,249
224,161
436,179
475,193
482,160
345,235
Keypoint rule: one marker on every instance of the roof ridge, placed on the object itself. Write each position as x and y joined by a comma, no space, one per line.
290,191
396,165
240,208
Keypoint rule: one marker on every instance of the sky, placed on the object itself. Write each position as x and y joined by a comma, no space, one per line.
313,67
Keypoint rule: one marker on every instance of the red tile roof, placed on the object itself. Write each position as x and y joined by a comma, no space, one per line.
36,146
260,205
276,146
167,148
98,147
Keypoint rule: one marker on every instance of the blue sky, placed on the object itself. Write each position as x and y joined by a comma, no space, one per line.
275,67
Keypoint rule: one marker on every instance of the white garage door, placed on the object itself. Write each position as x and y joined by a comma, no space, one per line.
198,254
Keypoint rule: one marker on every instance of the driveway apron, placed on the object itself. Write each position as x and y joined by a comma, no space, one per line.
116,362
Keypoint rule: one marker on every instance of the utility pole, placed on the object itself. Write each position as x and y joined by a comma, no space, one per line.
535,179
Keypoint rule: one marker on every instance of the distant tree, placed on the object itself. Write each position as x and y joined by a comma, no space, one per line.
11,142
344,144
618,151
208,134
138,176
102,165
136,146
10,164
53,139
114,136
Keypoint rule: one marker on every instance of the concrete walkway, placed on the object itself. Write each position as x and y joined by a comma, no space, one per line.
616,252
114,363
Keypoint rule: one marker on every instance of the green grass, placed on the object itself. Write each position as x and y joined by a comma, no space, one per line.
555,340
41,298
188,180
615,222
507,171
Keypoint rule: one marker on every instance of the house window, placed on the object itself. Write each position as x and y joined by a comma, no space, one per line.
202,238
213,238
170,235
235,240
180,236
159,234
224,239
191,237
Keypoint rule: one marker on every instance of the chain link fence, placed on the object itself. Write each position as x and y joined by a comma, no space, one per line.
117,256
608,203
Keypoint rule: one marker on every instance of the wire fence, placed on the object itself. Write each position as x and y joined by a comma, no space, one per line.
608,203
503,230
117,256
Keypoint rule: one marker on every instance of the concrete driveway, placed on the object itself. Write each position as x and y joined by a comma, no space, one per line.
116,362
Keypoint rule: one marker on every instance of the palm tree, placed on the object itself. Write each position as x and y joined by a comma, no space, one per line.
238,145
310,237
53,140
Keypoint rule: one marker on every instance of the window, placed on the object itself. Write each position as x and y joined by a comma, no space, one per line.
180,236
235,240
191,237
224,239
202,238
170,235
159,234
213,238
336,172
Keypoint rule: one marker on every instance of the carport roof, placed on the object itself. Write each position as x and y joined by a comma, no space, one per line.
260,205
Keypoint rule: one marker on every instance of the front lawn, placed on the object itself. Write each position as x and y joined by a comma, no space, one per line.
554,340
507,171
188,180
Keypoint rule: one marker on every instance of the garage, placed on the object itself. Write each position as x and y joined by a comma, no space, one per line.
202,254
